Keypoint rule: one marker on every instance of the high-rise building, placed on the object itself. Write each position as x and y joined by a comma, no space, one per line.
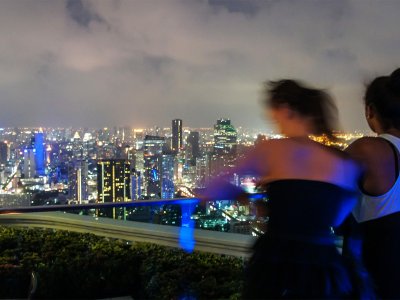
29,163
202,171
221,164
138,159
113,184
138,137
78,181
34,157
2,175
153,147
139,170
193,143
136,185
39,154
177,139
179,167
225,137
3,153
54,153
77,146
167,176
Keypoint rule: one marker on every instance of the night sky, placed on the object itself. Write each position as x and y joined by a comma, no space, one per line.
143,63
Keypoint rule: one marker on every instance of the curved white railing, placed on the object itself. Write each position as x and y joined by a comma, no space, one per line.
186,237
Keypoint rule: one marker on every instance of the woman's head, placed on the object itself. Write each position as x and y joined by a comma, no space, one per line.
382,102
312,106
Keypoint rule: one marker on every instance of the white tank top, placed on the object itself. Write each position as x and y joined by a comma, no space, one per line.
373,207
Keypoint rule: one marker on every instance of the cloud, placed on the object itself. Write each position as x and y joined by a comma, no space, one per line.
81,13
236,6
143,63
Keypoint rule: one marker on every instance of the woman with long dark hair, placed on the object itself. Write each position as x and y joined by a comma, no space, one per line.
378,210
311,188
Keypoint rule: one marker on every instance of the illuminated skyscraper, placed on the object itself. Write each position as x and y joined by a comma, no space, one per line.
77,146
179,167
3,153
153,147
77,181
225,137
34,157
39,153
138,137
136,185
193,144
29,163
138,161
202,171
113,184
167,176
177,144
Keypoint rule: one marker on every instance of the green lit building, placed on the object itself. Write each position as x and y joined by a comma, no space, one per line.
225,137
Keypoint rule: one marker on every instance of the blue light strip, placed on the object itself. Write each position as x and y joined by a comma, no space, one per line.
186,234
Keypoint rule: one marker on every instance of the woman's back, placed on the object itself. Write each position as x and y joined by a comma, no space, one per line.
307,209
302,158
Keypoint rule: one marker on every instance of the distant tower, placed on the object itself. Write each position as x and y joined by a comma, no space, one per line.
202,171
225,137
138,137
29,163
77,146
77,181
138,166
177,135
39,153
3,153
139,161
113,184
136,185
167,176
193,141
153,147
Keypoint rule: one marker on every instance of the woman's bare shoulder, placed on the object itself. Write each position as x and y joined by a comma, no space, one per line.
367,146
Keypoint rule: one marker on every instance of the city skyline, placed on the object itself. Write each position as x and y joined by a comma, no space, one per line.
144,63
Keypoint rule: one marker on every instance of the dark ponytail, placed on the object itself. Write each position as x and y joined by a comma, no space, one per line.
383,95
394,82
311,103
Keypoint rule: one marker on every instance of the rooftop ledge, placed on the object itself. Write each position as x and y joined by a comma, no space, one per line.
208,241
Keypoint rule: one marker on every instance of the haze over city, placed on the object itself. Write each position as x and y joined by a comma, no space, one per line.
143,63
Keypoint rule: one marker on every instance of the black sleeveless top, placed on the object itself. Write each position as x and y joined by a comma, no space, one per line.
297,257
307,209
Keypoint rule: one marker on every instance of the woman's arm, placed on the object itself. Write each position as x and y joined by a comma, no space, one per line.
221,188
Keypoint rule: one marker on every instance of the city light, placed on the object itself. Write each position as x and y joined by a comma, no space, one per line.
47,166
